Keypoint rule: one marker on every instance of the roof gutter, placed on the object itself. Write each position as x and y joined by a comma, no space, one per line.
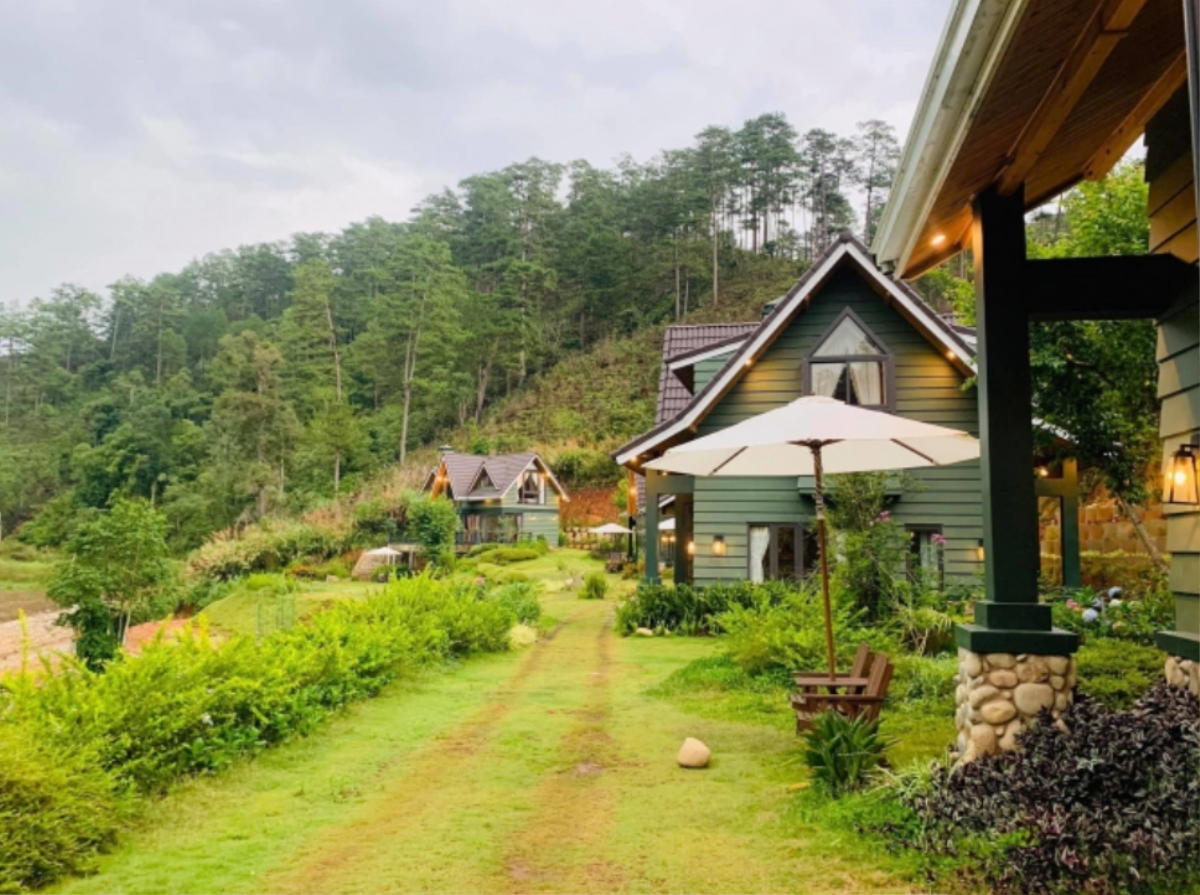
973,42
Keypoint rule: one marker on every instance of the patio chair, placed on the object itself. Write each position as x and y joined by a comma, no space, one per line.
616,562
854,697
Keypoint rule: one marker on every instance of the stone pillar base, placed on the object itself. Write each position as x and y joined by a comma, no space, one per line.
1183,673
1000,693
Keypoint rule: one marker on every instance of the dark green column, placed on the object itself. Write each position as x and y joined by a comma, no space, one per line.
1071,565
650,535
1010,619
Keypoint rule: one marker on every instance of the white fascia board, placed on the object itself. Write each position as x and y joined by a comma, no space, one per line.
693,359
973,41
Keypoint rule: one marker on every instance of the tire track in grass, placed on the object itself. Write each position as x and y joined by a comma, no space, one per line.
559,849
339,859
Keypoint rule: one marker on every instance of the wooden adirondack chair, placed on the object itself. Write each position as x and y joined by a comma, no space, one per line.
853,694
616,562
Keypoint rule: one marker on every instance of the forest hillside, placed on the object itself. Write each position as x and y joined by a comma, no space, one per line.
523,307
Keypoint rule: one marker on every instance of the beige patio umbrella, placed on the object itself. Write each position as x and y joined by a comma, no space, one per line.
610,528
813,436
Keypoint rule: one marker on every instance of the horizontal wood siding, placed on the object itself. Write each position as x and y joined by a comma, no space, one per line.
1172,208
928,388
707,369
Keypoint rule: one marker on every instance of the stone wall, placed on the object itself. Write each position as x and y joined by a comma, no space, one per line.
1184,673
999,693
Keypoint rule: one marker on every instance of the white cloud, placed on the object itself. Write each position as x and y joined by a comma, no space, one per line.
134,139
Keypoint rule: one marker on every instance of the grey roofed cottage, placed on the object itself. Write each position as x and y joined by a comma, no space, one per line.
500,499
845,330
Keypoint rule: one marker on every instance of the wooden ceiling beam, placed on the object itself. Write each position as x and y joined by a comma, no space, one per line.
1095,44
1134,125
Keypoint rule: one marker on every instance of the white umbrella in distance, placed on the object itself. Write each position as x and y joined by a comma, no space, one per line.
610,528
813,436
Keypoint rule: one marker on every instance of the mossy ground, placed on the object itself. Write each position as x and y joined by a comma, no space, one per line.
546,769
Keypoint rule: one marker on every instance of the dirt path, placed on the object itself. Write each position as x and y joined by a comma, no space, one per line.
546,771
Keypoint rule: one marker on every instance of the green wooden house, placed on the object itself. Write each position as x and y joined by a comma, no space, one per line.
845,330
501,499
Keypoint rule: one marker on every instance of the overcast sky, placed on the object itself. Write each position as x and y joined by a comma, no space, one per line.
136,135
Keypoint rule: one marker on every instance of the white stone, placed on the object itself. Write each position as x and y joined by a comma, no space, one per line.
1175,675
1062,699
693,754
1057,681
960,693
971,665
644,632
1033,671
1002,678
983,739
1062,725
1001,660
1032,698
980,695
1058,664
997,712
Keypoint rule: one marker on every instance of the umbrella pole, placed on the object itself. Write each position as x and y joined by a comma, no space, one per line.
819,497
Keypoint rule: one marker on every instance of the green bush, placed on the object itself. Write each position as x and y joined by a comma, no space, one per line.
58,809
521,600
432,523
481,548
502,556
1132,619
688,609
1117,674
595,587
790,634
510,576
189,706
927,682
841,752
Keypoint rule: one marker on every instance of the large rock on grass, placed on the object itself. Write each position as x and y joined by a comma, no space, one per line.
693,754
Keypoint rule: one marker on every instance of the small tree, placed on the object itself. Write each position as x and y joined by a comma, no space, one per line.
119,565
871,546
432,523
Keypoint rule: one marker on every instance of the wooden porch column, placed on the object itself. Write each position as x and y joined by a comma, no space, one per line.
650,535
1010,619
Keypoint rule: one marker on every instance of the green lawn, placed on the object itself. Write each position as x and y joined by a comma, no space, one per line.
546,769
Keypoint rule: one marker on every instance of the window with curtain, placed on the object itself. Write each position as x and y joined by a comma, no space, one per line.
850,365
531,488
779,550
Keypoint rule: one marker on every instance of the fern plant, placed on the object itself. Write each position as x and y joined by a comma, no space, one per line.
595,587
841,752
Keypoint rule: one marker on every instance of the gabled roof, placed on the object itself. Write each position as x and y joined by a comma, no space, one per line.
847,250
473,477
691,342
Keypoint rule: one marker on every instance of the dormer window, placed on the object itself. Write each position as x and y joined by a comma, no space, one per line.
851,365
531,488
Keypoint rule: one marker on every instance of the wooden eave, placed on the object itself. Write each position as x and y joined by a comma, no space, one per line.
1075,86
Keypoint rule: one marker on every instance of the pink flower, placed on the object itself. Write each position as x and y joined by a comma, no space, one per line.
937,540
884,516
1071,604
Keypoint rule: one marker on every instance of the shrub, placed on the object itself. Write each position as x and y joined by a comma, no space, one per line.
842,752
541,545
189,706
432,523
57,810
595,587
502,556
924,682
482,548
562,539
1118,674
521,600
1111,806
1133,619
790,633
688,609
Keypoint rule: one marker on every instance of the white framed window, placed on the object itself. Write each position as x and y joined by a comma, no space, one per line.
851,364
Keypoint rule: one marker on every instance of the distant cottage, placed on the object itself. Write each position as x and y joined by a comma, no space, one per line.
846,330
502,499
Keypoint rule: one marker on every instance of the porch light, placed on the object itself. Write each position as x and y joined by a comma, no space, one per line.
979,554
1181,485
691,548
718,545
1043,472
938,239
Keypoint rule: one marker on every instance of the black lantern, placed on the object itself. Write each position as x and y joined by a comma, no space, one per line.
1180,486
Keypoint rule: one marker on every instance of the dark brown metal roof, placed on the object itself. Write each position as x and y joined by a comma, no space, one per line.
464,470
673,393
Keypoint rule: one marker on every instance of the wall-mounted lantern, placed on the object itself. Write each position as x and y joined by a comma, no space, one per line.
1180,486
718,545
979,552
691,548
